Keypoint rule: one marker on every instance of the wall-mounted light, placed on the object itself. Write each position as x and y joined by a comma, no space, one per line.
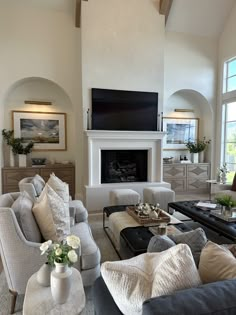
38,102
182,110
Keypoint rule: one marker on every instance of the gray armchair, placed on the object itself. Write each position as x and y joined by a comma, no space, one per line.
21,257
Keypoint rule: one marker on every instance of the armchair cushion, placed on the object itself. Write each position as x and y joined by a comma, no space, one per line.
60,187
80,212
22,207
38,183
52,215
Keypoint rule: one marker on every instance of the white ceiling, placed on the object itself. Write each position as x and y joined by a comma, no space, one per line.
199,17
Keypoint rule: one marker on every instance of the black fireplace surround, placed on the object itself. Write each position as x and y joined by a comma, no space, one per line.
119,166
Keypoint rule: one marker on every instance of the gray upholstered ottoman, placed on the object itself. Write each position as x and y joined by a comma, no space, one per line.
159,195
124,197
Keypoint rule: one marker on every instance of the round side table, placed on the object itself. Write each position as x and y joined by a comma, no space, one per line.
38,299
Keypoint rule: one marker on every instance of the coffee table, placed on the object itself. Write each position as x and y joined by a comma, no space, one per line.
188,208
133,238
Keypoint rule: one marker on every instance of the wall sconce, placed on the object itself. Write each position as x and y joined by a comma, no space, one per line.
182,110
38,102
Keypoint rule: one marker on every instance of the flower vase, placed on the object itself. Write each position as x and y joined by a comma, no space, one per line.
22,160
61,282
223,178
201,157
43,275
195,157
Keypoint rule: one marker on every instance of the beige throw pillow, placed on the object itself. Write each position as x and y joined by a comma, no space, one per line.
52,215
135,280
216,263
60,187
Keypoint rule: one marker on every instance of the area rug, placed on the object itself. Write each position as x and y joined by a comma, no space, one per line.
107,253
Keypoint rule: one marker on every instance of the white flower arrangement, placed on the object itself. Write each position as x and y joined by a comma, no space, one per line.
63,252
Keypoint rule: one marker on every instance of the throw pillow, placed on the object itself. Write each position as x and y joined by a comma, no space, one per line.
158,243
216,263
22,207
38,183
135,280
52,215
233,188
61,188
195,239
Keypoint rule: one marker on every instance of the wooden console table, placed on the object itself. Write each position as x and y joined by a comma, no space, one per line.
12,175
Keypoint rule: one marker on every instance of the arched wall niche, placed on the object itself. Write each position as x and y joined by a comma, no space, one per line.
41,89
202,109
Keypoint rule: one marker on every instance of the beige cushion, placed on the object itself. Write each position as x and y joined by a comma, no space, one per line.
60,187
38,183
52,215
135,280
216,263
22,207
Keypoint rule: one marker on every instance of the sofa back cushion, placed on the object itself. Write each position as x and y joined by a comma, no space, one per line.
38,183
22,207
52,215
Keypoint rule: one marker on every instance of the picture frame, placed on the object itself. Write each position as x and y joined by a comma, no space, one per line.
179,132
46,129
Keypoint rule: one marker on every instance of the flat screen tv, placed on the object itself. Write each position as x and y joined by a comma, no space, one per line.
124,110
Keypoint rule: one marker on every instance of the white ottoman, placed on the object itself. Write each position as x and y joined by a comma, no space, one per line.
159,195
124,197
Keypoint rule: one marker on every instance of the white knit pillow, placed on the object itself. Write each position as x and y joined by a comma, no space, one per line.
135,280
52,215
60,187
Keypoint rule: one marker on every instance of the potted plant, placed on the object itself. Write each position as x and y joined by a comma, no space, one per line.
227,203
196,147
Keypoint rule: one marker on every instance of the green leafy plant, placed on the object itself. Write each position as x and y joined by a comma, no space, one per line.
226,200
197,146
17,144
63,252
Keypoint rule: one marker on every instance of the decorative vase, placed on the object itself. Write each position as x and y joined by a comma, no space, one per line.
61,282
227,211
223,178
22,160
195,157
43,275
201,157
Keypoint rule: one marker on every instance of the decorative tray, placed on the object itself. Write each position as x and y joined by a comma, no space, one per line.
223,217
147,219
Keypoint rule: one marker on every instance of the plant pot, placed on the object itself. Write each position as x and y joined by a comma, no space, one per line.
61,283
44,274
22,160
195,157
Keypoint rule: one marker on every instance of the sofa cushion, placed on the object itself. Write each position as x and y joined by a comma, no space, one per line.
38,183
60,187
233,188
90,253
216,298
22,207
52,215
158,243
135,280
216,263
195,239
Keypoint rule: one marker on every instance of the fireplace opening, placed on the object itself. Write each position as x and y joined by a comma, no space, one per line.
120,166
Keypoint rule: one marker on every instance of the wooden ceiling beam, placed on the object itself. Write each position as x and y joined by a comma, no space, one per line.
78,13
165,6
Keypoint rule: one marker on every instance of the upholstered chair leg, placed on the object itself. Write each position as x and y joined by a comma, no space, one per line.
13,300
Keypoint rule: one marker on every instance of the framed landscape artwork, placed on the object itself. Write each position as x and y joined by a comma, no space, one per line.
47,130
179,131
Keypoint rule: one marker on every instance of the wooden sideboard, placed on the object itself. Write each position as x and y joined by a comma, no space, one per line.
187,177
12,175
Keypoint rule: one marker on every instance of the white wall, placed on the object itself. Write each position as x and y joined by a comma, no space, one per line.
39,39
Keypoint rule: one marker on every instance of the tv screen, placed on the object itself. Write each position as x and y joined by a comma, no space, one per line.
124,110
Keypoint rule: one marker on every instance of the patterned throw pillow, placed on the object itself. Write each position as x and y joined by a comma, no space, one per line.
159,243
52,215
135,280
195,239
60,187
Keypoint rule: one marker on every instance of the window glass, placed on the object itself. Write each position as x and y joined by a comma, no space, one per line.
231,111
232,68
231,84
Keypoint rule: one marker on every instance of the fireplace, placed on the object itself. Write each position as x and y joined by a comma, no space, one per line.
120,166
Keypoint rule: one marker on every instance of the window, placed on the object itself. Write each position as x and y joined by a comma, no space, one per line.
228,148
229,75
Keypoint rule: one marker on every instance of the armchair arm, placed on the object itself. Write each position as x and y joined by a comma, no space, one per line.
20,257
81,213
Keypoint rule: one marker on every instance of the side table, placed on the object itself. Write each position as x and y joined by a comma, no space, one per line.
38,299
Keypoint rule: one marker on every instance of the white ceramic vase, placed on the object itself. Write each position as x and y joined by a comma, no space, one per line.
201,157
61,282
22,160
195,157
44,274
